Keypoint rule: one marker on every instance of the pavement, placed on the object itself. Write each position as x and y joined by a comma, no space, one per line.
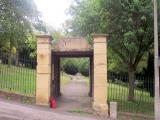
17,111
75,96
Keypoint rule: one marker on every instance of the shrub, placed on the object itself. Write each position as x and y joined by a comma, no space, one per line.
69,66
75,65
71,69
84,69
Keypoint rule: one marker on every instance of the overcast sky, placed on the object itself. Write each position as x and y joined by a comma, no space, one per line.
53,11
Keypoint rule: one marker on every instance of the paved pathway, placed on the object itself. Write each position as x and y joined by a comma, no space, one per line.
75,96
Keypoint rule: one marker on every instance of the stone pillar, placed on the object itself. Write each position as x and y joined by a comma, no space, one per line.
43,82
100,74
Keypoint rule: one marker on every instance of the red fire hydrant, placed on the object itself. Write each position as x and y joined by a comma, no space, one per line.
53,103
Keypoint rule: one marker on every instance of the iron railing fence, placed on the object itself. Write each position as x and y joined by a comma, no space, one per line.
118,91
18,75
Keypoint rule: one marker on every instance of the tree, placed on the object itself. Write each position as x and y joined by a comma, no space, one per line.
18,18
130,28
129,24
87,18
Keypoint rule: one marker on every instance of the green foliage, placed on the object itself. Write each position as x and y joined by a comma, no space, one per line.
75,65
18,19
71,69
130,28
84,67
69,66
31,45
87,18
65,78
129,24
89,39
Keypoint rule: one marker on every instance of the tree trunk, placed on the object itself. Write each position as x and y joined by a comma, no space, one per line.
17,58
131,74
10,57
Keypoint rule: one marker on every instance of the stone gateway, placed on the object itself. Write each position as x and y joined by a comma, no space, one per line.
48,67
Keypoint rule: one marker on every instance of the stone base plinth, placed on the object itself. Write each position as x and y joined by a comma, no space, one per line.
100,109
42,104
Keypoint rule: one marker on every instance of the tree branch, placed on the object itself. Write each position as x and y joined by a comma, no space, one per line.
120,55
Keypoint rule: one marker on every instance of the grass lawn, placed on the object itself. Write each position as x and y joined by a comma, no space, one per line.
87,80
65,78
18,79
22,80
143,104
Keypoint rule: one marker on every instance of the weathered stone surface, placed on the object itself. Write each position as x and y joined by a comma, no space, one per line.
43,51
100,59
98,38
100,68
44,39
43,47
72,44
44,59
43,81
101,81
100,75
99,96
42,96
100,109
43,70
113,110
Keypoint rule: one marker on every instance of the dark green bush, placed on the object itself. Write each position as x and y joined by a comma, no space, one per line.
85,72
84,68
75,65
69,66
70,69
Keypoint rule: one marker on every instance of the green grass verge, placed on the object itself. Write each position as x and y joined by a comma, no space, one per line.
143,104
79,111
86,79
65,78
18,79
22,80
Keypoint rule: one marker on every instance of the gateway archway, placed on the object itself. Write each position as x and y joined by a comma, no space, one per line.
48,72
55,70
